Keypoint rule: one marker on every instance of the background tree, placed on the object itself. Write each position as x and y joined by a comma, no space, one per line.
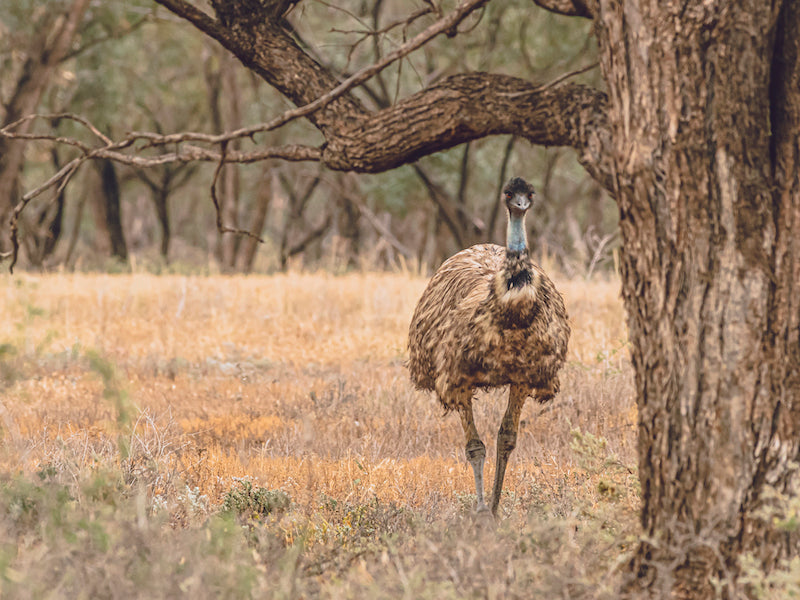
48,44
131,68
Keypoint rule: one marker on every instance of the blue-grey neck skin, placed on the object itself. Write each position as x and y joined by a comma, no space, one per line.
517,239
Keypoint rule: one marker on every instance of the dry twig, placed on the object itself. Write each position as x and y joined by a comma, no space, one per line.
220,226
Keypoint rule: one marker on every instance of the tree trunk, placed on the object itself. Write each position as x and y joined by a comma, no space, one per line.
160,197
348,215
249,245
709,205
51,224
48,48
226,113
108,212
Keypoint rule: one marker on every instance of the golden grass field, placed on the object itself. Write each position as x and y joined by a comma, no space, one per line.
173,392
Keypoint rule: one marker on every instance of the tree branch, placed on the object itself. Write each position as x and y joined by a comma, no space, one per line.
310,237
185,153
265,47
381,229
221,228
469,106
569,8
459,109
456,110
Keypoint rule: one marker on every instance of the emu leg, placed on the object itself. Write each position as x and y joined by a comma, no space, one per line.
507,439
475,450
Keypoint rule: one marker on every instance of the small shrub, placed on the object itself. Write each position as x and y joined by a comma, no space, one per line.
254,503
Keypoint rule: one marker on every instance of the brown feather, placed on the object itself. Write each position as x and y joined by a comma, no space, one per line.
489,317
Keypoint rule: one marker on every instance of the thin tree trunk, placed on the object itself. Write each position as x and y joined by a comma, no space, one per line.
249,246
75,231
294,218
709,213
108,212
160,197
53,225
348,216
223,97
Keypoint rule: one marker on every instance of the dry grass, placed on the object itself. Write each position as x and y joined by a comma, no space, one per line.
165,391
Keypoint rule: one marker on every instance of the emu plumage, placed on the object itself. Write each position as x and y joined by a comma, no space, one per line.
490,317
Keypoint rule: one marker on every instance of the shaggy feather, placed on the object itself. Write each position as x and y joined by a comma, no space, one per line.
487,318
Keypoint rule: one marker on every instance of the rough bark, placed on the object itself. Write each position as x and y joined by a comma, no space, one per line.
704,125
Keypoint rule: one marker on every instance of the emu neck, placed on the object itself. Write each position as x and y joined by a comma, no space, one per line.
516,238
517,273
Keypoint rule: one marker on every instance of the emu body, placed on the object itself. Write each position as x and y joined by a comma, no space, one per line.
490,317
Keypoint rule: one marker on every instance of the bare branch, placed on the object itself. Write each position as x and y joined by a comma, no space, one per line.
220,227
443,25
214,199
381,229
375,32
556,81
11,128
189,153
458,220
113,150
310,237
367,32
569,8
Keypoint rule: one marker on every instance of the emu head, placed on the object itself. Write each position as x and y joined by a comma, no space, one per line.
518,195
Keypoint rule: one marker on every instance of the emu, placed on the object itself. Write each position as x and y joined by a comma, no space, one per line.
490,317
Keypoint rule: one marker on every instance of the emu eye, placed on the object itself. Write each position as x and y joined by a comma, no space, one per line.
530,195
508,194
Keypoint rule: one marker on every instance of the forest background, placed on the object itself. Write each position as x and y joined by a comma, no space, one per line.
128,66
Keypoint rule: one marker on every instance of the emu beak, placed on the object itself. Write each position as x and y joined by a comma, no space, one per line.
519,203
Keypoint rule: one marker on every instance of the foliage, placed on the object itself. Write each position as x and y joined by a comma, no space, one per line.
253,504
